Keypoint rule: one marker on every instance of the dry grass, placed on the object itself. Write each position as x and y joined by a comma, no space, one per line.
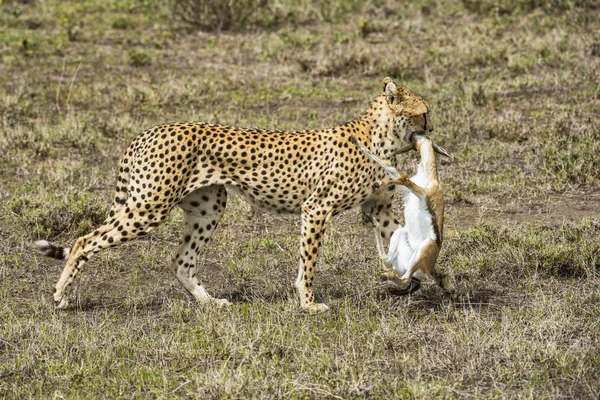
515,96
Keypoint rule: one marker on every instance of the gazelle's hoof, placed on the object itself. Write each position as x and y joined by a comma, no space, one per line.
447,285
388,275
404,288
315,308
451,293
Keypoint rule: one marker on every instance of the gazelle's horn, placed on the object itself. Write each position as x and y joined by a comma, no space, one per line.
405,149
442,151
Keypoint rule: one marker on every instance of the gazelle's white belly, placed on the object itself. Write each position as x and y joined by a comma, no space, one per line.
417,217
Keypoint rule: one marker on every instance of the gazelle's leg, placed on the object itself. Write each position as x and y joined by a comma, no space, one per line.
399,256
404,181
400,251
383,163
422,262
442,280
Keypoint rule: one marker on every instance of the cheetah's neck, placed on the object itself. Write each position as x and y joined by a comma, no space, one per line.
384,143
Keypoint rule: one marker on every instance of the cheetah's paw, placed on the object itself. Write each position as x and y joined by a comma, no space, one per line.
315,308
61,303
221,302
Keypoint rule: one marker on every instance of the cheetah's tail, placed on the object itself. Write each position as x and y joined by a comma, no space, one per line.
53,251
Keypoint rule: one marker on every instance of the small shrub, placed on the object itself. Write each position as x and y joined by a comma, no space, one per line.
570,154
479,97
366,27
139,58
73,30
28,47
123,23
217,15
339,63
595,52
335,11
516,7
268,244
34,23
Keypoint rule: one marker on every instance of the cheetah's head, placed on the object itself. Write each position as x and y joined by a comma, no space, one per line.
410,113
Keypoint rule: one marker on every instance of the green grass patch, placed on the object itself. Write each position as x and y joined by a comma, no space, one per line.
48,215
570,250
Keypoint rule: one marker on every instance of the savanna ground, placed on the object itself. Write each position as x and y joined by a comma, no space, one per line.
515,93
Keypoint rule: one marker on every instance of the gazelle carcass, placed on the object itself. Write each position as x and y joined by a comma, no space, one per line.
414,247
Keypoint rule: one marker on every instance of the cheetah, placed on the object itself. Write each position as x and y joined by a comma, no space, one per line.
317,173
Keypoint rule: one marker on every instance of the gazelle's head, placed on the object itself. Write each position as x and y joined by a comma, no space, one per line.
418,140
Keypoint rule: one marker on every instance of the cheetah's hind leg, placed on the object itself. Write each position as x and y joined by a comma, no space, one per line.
202,210
127,224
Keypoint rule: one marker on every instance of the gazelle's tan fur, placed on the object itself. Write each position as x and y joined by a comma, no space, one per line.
414,248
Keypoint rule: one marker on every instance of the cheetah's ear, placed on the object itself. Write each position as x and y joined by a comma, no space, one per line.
392,93
386,81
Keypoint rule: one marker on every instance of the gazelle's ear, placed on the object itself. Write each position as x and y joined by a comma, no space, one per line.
392,93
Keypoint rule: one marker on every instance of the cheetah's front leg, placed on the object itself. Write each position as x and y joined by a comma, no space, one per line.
313,227
378,208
